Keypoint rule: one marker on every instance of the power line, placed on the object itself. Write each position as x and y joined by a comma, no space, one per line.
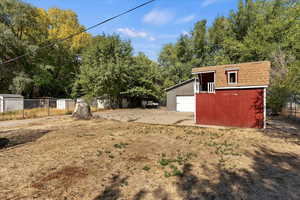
72,35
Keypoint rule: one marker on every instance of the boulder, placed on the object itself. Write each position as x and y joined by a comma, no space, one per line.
82,110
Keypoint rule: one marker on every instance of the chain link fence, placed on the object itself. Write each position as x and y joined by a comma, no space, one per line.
292,110
13,108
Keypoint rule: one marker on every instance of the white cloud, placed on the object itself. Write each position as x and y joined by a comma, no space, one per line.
135,34
158,17
186,19
208,2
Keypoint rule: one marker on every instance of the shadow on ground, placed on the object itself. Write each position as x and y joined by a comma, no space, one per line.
22,136
283,128
273,175
112,192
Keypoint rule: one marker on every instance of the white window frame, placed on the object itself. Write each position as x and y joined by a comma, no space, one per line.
236,77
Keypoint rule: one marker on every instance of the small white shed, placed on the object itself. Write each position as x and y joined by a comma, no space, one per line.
65,104
11,102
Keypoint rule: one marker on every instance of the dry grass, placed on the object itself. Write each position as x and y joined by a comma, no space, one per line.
37,112
32,113
109,160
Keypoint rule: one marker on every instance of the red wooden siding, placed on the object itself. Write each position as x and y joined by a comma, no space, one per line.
238,108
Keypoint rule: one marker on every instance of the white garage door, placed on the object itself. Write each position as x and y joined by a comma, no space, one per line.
185,103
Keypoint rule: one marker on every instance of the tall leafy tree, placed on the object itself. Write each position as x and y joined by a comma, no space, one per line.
199,43
109,69
45,72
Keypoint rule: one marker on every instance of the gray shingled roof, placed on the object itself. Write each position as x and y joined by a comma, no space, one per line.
179,84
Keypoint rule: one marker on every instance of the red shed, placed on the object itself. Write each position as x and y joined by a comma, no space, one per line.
232,95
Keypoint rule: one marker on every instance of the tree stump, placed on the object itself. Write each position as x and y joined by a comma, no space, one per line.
82,110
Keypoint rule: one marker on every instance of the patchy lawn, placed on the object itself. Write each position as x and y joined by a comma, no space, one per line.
108,160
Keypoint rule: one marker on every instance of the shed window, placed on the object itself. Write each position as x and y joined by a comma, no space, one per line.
232,77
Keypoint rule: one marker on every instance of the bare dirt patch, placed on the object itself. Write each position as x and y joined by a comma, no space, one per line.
65,176
108,160
152,116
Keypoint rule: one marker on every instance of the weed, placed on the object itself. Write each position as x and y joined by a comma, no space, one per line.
181,159
176,171
120,145
224,148
167,174
165,162
146,168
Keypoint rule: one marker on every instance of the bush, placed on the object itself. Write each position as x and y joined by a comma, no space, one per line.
277,98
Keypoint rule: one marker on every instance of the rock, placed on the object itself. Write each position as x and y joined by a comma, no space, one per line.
82,110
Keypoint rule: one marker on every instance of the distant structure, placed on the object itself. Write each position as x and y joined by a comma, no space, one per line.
11,102
65,104
180,97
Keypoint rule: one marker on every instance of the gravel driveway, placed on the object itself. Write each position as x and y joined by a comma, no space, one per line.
152,116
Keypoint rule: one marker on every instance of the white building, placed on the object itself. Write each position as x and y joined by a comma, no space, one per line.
65,104
11,102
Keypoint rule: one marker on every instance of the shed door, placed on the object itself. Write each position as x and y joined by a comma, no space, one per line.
185,103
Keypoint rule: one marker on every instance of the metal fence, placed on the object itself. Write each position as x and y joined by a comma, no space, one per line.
292,110
31,108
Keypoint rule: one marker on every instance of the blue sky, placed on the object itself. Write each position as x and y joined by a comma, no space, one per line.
148,28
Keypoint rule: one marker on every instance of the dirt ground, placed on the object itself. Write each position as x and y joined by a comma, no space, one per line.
152,116
104,159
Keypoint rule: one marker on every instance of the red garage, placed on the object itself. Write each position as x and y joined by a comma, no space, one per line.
232,95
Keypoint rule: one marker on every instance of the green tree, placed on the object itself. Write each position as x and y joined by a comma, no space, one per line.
109,69
145,80
48,71
199,44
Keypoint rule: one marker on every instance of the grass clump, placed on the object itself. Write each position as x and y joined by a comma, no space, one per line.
120,145
146,168
174,164
173,172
